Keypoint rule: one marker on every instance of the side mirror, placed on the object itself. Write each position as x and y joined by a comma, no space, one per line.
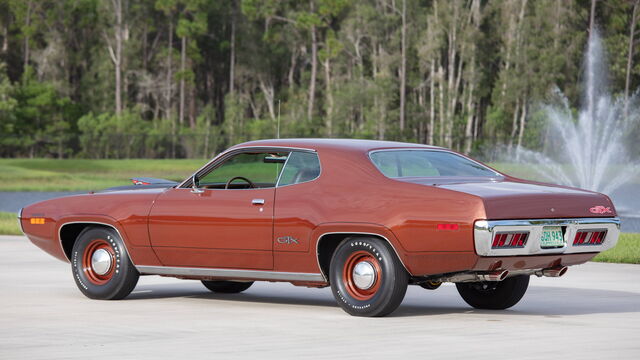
195,185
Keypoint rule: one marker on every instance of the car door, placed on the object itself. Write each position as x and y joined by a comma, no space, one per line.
227,222
297,212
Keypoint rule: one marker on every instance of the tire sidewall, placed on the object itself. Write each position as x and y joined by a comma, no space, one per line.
386,258
123,266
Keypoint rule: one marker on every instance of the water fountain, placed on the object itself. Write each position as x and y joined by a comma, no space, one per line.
590,150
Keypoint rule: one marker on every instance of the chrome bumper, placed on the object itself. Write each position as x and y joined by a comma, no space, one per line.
20,220
485,229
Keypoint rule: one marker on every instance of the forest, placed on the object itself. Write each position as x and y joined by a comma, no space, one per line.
188,78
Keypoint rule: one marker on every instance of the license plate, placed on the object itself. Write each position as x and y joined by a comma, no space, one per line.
551,237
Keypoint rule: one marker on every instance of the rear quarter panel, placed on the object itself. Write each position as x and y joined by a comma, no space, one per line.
355,194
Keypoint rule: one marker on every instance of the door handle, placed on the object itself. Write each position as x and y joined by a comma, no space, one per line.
257,201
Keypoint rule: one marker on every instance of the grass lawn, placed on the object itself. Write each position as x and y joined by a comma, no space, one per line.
9,224
83,174
626,251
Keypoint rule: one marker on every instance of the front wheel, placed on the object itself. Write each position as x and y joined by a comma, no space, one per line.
494,296
101,266
367,278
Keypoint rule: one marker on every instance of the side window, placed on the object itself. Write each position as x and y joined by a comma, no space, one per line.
301,167
403,163
260,169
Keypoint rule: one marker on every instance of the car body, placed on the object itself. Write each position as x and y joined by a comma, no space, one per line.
291,210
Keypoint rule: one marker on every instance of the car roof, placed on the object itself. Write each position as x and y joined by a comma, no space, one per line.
335,144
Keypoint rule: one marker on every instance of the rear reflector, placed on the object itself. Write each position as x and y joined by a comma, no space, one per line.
451,227
589,237
506,240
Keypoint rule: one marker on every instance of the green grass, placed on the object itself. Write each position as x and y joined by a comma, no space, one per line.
81,174
626,251
9,224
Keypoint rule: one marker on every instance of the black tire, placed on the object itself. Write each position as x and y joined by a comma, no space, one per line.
388,287
499,296
121,277
227,287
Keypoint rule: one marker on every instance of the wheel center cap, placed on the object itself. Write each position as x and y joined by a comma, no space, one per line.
364,275
101,261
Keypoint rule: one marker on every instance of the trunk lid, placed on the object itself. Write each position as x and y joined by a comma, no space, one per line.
506,198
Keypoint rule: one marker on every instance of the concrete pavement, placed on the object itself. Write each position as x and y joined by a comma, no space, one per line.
591,312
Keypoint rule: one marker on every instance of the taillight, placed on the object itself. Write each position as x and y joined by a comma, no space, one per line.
589,237
504,240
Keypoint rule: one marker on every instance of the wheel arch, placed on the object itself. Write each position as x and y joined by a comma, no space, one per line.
328,242
69,232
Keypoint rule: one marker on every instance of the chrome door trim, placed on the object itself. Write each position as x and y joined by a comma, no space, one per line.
230,273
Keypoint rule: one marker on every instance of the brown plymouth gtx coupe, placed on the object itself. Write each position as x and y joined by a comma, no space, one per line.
367,218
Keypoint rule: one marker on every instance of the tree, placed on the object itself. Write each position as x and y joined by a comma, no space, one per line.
115,47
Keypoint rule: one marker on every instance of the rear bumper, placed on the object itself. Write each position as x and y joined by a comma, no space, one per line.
485,229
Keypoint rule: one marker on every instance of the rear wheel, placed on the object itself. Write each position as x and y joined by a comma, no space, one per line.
494,295
367,278
101,266
227,287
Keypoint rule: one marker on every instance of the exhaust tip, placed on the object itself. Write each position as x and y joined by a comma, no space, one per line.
563,270
555,272
503,275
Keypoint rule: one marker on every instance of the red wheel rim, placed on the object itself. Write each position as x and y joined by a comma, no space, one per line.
87,268
348,280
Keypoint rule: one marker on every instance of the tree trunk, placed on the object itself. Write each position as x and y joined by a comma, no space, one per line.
232,59
292,68
432,105
183,66
523,119
192,107
169,71
329,94
514,124
442,106
118,62
627,82
314,69
468,131
5,38
268,91
27,22
403,66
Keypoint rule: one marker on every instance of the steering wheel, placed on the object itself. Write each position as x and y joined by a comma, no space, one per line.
251,185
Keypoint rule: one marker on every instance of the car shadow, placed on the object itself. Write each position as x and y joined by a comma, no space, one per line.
262,295
538,301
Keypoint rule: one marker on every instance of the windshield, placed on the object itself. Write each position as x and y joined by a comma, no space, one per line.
427,163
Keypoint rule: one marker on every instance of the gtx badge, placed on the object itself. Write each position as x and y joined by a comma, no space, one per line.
600,210
287,240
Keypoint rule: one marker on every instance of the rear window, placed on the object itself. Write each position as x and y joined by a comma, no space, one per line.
427,163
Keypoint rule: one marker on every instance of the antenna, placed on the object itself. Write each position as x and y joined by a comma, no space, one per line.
278,126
